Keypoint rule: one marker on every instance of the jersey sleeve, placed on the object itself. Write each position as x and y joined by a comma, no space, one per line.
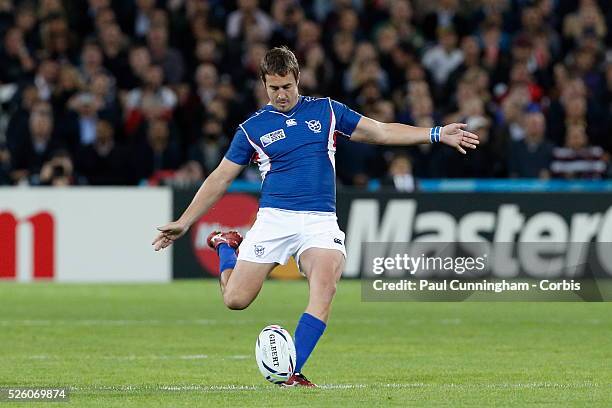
346,118
240,150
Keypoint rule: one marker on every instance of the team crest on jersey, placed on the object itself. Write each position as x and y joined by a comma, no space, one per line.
291,122
314,125
272,137
259,250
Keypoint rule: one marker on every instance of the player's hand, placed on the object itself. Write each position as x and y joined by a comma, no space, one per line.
168,234
455,136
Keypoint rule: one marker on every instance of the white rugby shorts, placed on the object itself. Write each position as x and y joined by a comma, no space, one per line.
279,234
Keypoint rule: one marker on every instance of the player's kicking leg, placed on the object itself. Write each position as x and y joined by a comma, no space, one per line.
241,280
323,268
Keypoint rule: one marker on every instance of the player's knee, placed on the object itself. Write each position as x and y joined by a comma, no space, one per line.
330,290
234,301
327,289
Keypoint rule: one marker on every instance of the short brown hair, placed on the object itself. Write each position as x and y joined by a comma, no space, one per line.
279,61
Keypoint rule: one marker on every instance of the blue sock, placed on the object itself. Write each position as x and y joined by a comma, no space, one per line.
307,334
227,257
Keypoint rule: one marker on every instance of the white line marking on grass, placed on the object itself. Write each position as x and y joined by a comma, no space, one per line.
451,321
342,386
533,385
153,357
174,388
239,357
132,357
233,388
194,357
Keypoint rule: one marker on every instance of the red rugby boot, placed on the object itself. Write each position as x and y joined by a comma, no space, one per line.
231,238
298,380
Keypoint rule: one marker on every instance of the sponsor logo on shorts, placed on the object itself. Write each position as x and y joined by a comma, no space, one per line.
272,137
259,250
338,241
314,125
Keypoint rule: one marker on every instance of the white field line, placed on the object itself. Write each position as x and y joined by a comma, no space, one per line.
133,357
231,388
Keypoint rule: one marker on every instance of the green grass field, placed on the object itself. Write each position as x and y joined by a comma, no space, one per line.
175,345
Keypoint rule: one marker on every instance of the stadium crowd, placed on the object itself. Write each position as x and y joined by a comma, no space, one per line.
106,92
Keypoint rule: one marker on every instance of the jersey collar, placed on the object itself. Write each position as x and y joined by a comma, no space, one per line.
290,113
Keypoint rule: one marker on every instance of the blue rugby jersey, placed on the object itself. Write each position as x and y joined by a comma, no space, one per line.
295,152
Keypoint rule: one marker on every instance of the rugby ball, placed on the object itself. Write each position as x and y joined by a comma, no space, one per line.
275,354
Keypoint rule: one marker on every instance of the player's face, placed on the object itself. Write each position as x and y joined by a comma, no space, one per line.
282,91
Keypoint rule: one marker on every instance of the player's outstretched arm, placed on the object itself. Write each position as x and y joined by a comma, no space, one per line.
374,132
209,193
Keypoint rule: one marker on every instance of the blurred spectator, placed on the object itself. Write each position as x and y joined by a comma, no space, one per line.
139,61
309,35
57,39
401,19
58,171
105,17
531,156
102,87
46,78
210,146
445,17
79,125
585,67
341,58
315,74
32,152
114,50
399,176
470,49
69,83
50,8
87,13
577,159
510,119
25,21
157,153
5,165
162,54
103,162
151,101
494,45
288,15
91,61
18,123
587,20
189,173
141,20
348,23
249,17
365,68
206,79
444,58
206,52
17,63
